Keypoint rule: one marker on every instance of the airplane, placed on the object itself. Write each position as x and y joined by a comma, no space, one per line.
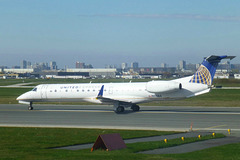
123,95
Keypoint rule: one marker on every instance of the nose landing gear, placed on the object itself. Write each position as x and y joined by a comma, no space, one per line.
30,107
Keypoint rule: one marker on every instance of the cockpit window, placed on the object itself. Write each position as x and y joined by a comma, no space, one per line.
34,89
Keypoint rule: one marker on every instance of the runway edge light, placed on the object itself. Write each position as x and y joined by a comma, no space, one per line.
199,136
213,134
165,140
182,138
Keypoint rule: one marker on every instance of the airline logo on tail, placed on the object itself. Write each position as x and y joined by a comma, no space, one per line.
202,76
206,71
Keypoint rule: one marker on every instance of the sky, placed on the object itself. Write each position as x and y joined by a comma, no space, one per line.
101,32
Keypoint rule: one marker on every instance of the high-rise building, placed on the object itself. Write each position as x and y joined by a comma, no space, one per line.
163,65
80,65
24,64
124,66
182,64
134,65
53,65
29,65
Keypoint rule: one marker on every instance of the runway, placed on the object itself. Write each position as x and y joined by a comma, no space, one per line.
149,117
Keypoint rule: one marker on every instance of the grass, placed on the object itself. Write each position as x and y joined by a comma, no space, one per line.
34,143
227,82
226,152
137,147
9,95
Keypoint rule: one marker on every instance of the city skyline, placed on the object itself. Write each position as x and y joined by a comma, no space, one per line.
111,32
53,65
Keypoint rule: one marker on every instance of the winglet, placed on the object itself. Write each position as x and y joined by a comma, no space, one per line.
100,94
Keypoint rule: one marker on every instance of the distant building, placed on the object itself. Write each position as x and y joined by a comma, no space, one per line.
110,66
83,65
163,65
225,65
95,73
191,67
222,74
24,64
124,66
134,65
16,67
53,65
182,65
237,76
18,70
41,66
88,66
235,66
80,65
29,65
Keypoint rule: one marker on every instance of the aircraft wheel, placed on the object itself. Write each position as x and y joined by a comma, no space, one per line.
30,108
119,109
135,108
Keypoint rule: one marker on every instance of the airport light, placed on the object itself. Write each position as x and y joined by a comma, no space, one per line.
199,136
229,131
182,138
165,140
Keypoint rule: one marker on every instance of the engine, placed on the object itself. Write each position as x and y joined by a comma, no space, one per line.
163,86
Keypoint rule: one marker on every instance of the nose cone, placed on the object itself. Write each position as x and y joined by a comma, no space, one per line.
20,98
24,97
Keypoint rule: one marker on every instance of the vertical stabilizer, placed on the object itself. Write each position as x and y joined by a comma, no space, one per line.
206,71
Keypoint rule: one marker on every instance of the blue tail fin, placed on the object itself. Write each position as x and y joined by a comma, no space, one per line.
206,71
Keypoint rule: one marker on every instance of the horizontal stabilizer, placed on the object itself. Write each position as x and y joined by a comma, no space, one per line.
213,58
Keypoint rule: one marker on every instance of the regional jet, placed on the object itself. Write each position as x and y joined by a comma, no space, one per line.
123,95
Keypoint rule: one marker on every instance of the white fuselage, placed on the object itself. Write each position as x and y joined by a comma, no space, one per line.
134,93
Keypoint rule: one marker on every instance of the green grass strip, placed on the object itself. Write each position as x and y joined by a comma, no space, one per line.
144,146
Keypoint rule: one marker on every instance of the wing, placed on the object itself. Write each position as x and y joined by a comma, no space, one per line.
108,100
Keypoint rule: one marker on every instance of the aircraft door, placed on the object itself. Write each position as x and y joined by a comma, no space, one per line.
110,90
44,91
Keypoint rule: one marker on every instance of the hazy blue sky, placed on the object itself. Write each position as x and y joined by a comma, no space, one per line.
103,32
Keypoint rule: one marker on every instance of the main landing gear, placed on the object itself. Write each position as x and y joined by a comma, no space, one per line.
120,109
30,107
135,107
